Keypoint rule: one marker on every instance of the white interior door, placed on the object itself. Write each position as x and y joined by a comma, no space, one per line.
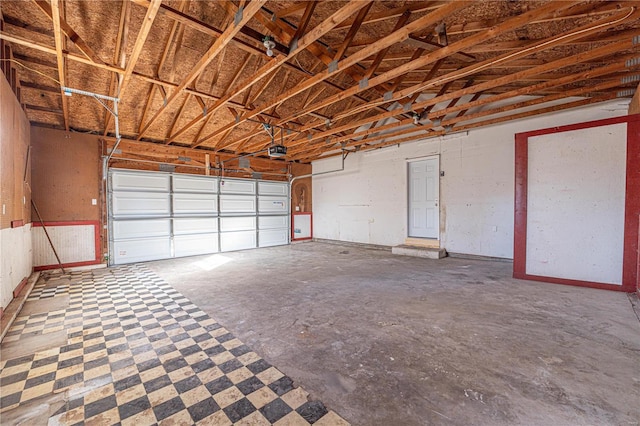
424,188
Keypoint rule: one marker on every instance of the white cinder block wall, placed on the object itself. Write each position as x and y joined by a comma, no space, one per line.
367,202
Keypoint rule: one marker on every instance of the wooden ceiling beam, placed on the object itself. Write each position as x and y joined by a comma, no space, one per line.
538,46
510,24
83,60
285,31
581,91
119,56
267,82
294,9
474,98
547,110
165,53
353,30
309,38
58,36
210,30
480,87
391,39
603,51
428,44
475,103
73,36
304,22
412,7
361,136
200,130
40,108
242,141
431,74
245,15
401,22
204,107
416,54
529,90
587,10
246,140
178,116
37,86
143,33
18,23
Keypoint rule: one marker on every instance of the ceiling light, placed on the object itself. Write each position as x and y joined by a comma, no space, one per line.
269,45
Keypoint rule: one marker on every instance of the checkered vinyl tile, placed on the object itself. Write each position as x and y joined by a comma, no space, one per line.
138,352
54,286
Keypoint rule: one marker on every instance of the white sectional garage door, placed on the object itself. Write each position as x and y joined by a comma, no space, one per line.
156,215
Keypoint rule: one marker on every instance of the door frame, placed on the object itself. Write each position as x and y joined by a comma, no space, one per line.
408,162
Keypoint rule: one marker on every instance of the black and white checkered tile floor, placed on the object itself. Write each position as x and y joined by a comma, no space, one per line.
138,352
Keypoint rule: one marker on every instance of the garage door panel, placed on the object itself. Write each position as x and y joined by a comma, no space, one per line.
131,229
230,241
273,205
273,222
237,224
140,181
195,184
192,204
146,249
234,204
191,245
135,203
160,215
273,237
273,188
237,186
186,226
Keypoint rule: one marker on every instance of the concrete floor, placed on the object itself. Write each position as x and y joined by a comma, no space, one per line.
385,339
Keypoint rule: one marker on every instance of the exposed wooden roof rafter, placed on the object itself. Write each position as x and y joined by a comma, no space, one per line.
57,34
546,44
275,63
216,48
353,75
347,62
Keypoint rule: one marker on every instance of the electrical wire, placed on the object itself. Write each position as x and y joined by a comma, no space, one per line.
31,69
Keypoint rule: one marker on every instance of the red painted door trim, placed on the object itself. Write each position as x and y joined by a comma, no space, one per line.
630,268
